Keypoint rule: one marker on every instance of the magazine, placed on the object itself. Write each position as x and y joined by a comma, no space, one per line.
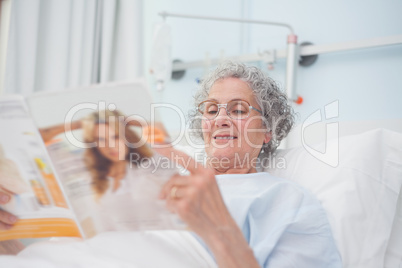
77,163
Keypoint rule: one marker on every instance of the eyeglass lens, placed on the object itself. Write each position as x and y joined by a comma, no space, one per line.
235,109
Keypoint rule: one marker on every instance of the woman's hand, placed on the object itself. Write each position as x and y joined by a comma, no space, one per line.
196,198
6,218
9,247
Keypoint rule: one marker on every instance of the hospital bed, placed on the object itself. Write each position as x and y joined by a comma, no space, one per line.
361,195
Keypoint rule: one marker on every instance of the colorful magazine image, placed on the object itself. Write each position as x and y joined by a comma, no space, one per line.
77,165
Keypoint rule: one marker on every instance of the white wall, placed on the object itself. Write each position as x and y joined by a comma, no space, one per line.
367,83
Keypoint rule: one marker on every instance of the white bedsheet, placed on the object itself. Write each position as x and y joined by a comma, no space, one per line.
115,249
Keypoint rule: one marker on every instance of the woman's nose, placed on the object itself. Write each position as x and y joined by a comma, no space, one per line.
222,119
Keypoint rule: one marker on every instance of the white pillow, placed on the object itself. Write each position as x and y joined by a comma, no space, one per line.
393,255
360,195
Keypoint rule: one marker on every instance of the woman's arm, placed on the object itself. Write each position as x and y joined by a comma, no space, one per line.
231,249
197,200
50,132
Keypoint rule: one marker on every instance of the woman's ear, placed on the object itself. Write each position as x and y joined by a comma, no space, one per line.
268,137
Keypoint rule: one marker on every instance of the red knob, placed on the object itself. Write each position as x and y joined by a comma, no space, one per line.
299,100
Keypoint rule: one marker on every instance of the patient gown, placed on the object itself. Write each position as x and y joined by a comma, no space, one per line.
283,223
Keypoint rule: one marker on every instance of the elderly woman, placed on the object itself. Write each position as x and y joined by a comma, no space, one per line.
246,218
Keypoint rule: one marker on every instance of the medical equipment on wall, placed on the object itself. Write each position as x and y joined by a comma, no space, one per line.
292,53
161,62
304,54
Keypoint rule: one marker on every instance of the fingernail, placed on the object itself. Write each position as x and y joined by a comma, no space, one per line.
12,219
4,199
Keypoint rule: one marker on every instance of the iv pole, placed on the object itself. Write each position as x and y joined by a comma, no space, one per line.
292,56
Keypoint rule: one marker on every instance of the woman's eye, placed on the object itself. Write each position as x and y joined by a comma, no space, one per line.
212,112
238,112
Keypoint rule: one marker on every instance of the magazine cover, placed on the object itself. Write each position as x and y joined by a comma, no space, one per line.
98,152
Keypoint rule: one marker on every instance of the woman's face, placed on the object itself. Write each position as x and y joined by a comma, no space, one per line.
110,145
229,138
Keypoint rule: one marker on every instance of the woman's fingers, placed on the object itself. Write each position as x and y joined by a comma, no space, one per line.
7,218
177,198
196,197
4,198
175,181
11,247
5,226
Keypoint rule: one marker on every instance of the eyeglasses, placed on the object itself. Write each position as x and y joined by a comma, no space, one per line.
235,109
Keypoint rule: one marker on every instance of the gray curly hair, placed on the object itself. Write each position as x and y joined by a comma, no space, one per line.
278,114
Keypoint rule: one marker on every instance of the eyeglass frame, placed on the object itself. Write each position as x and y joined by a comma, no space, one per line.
225,105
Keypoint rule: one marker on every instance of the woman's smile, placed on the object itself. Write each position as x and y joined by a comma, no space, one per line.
223,138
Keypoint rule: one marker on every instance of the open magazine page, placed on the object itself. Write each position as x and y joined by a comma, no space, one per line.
26,173
111,176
